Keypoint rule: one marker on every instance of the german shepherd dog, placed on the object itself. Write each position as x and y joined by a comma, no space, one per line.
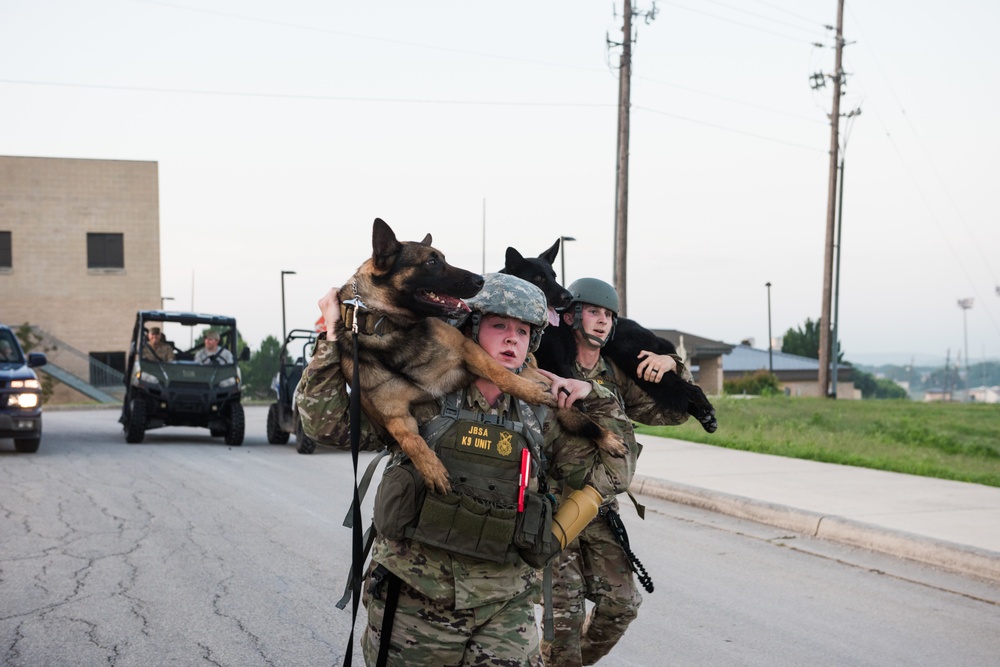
407,352
557,351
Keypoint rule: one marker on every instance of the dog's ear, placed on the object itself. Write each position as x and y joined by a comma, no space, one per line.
427,240
384,245
550,254
512,259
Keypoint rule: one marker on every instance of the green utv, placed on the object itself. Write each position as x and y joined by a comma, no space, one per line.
183,372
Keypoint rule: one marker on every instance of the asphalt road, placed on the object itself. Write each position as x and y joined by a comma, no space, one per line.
184,551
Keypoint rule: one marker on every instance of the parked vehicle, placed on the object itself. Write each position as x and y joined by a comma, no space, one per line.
20,393
283,415
166,386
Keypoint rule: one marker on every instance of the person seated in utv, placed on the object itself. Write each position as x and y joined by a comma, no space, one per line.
212,353
157,348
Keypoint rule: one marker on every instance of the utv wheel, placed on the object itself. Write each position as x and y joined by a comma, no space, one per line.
135,427
27,445
305,445
275,435
235,425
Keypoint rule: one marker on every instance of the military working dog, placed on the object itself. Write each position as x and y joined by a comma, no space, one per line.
408,352
557,351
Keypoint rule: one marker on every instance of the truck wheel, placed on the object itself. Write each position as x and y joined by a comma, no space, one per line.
27,445
275,435
235,425
135,427
305,445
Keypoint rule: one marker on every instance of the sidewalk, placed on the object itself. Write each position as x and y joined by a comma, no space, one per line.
951,525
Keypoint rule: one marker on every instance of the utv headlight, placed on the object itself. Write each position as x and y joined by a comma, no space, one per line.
229,382
149,378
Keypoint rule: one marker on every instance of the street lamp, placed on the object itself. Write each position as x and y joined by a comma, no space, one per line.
284,331
770,338
163,299
965,304
562,245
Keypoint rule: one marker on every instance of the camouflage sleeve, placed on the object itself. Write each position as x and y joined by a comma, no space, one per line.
641,407
575,461
324,403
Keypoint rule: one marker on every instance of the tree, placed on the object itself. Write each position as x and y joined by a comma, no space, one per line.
805,342
259,371
872,387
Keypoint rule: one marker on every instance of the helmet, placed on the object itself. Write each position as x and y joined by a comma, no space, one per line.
599,293
509,296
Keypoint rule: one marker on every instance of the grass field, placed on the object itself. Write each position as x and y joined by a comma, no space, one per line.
959,441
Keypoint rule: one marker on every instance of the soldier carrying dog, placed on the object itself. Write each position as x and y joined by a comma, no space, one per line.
459,565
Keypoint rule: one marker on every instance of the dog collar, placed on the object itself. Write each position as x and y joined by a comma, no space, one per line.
368,322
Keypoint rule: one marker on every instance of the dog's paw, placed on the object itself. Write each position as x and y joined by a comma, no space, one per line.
708,420
612,444
435,475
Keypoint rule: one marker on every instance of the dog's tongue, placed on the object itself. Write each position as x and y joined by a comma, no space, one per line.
553,317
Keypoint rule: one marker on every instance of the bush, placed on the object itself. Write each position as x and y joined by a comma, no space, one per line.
760,383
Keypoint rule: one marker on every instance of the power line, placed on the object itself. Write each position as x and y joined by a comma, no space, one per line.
729,129
766,18
745,25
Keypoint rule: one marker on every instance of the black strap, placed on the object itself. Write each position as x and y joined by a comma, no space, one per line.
388,616
358,538
618,528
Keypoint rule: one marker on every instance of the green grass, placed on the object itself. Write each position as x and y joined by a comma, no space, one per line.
959,441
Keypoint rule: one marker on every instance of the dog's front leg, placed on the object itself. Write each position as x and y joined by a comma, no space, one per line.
393,408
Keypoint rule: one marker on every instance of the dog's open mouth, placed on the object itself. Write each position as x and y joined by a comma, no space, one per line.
447,304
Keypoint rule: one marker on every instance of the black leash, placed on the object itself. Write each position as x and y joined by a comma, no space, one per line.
618,528
358,539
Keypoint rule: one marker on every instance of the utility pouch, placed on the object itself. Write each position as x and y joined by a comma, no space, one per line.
398,500
533,538
465,525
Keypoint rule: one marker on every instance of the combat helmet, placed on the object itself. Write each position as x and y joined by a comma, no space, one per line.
598,293
509,296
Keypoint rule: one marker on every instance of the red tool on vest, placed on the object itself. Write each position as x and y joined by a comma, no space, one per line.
523,481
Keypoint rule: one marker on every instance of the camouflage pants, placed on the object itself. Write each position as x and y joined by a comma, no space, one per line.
427,633
594,567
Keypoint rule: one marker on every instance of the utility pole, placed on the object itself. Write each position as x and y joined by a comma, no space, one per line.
831,209
621,166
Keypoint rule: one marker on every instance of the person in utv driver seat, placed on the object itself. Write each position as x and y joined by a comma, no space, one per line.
462,599
212,353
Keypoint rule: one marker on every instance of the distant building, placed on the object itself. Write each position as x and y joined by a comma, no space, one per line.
797,376
79,254
985,394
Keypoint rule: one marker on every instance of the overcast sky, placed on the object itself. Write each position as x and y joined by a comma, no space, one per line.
282,130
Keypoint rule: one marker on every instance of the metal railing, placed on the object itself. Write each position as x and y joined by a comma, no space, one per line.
84,367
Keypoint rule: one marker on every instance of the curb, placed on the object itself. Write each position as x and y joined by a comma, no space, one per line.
965,560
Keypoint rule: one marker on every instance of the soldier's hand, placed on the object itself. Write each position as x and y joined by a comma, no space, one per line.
329,306
653,367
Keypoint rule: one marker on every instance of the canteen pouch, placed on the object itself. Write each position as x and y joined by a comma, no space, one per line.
465,525
398,500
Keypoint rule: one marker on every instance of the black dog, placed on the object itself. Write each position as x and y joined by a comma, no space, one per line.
557,351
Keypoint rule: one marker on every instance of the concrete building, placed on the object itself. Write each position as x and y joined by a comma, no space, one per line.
79,255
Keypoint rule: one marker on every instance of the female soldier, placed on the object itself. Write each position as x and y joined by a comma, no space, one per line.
465,596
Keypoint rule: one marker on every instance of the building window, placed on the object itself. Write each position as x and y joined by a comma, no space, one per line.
105,251
6,256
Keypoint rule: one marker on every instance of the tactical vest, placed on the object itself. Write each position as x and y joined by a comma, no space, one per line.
479,517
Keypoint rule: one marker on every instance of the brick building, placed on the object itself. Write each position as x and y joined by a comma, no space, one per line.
79,254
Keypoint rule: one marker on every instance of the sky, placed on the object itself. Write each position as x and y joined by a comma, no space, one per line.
282,130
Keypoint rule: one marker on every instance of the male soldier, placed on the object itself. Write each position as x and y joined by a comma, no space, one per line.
595,566
461,601
211,353
157,348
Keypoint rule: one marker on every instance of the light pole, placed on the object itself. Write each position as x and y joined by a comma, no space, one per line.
562,246
770,338
284,331
965,304
164,299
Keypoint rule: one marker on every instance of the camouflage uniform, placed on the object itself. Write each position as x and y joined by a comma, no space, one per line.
164,351
594,566
452,609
